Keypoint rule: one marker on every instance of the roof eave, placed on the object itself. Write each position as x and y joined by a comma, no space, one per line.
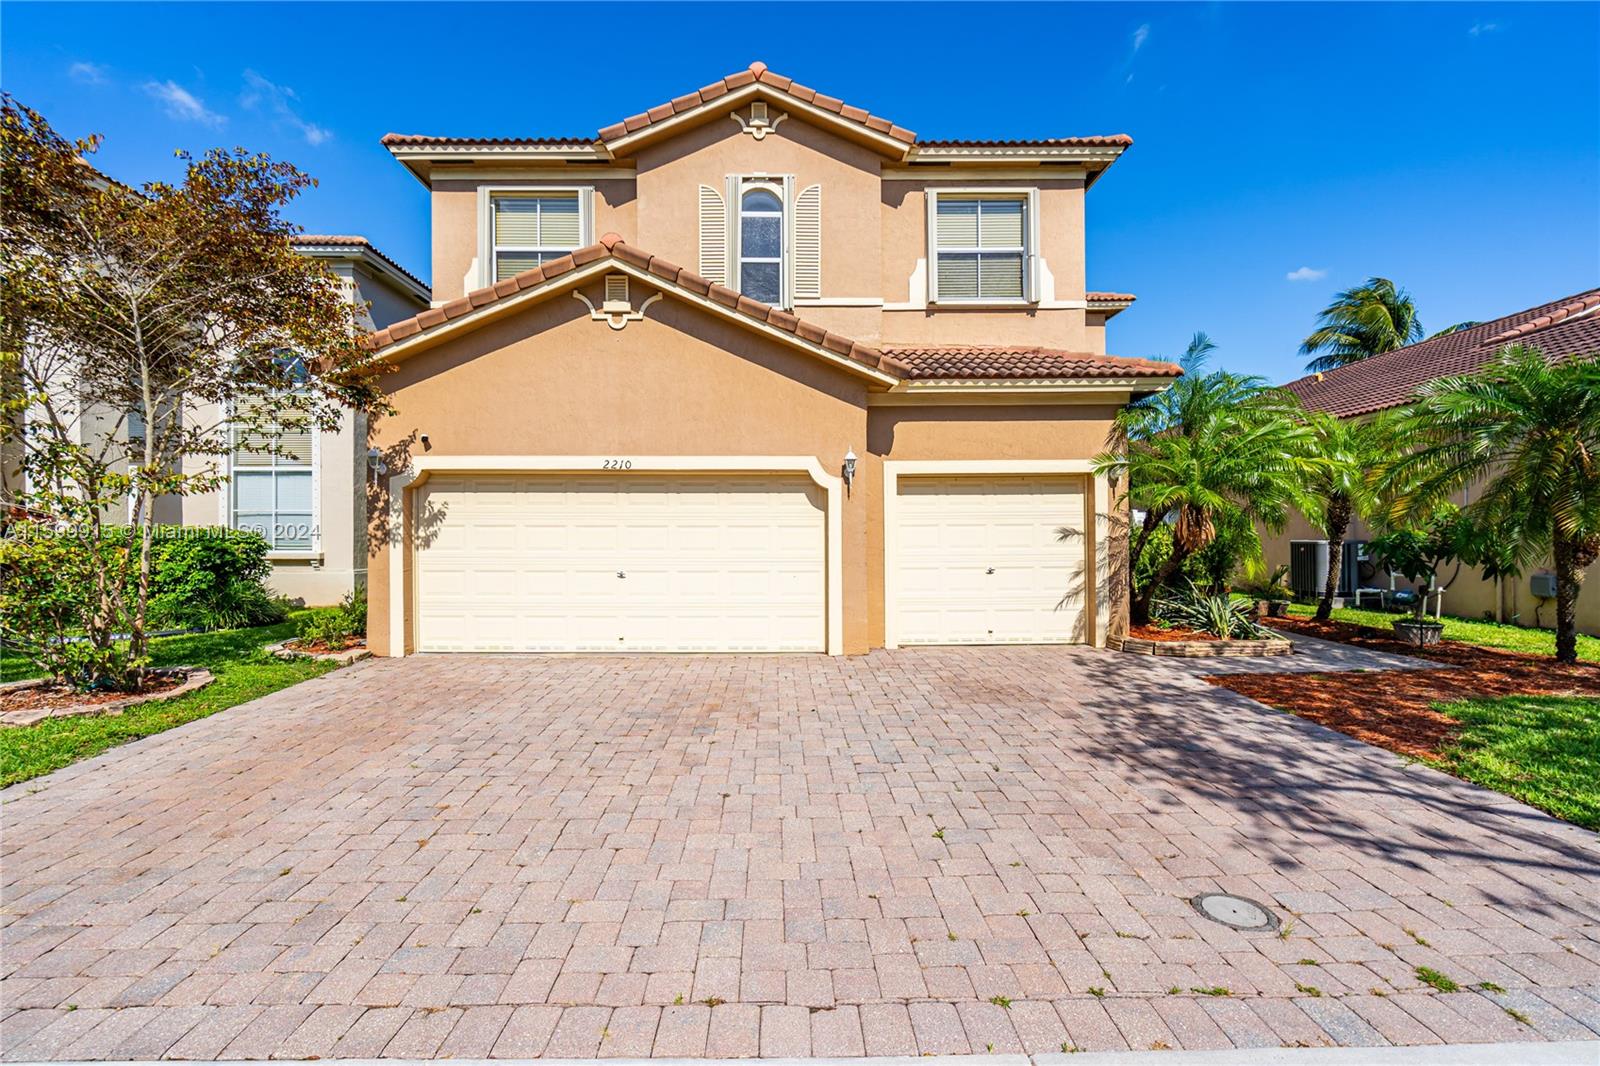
373,259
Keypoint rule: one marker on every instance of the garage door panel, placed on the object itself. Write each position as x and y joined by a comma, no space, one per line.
713,563
980,561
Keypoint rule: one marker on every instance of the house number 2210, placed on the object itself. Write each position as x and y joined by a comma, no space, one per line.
616,464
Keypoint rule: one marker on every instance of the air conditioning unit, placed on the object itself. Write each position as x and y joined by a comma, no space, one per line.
1543,586
1308,567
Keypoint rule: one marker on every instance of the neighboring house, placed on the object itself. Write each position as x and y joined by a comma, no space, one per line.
1560,329
754,370
311,505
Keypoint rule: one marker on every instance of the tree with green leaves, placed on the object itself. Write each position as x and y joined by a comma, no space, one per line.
1370,319
1527,430
1213,445
1342,485
140,329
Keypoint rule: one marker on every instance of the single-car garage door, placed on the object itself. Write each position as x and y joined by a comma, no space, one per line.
623,562
981,560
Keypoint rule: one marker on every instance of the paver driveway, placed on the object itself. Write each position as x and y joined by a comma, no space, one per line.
909,852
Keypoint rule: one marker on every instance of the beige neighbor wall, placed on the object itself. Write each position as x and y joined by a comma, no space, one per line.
1469,595
548,381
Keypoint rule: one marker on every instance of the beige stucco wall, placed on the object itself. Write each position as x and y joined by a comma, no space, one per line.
874,231
1469,595
548,381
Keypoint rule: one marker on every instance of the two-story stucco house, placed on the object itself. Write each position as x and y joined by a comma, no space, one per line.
753,370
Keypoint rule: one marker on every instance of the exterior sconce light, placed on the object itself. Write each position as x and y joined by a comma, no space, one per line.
849,468
376,463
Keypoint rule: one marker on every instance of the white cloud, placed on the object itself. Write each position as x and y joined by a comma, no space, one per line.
1141,35
88,73
182,104
1480,28
280,100
1306,274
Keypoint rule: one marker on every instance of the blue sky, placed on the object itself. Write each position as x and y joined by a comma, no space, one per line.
1281,151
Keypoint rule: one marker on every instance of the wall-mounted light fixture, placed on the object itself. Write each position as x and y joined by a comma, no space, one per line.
849,468
376,463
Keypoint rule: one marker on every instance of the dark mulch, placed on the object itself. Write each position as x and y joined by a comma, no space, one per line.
55,697
1152,632
1393,708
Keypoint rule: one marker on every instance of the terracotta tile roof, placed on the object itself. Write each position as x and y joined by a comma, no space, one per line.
1112,140
1026,361
1110,297
613,246
1561,329
391,139
350,240
756,72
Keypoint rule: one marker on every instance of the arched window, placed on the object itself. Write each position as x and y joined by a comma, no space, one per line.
761,243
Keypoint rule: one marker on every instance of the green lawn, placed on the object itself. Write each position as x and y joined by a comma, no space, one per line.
1543,750
1486,634
234,656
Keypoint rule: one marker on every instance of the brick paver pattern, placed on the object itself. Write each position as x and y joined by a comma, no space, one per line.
910,852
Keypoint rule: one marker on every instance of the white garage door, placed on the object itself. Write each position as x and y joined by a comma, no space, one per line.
620,563
979,560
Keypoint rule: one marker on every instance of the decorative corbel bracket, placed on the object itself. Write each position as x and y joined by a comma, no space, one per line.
758,125
616,313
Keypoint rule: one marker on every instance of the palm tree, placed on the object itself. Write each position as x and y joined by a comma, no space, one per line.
1212,443
1368,320
1529,430
1341,485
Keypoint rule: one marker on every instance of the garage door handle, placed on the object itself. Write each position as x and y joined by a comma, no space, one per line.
621,574
990,570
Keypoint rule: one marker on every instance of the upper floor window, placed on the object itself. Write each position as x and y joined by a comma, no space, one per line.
532,227
271,489
761,242
982,246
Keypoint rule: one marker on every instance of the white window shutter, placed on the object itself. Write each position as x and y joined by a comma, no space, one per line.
808,243
713,236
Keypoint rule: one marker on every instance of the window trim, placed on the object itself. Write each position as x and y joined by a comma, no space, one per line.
229,510
486,195
777,187
1029,195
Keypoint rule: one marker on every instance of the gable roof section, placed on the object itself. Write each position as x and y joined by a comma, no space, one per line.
887,366
619,138
1019,362
613,253
1560,329
349,246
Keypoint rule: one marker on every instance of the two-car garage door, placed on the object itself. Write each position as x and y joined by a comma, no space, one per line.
620,562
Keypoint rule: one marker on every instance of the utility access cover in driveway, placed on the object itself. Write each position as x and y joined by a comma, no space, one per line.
1236,911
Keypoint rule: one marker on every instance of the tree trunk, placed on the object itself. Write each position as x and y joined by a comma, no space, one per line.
1140,607
1571,559
1338,525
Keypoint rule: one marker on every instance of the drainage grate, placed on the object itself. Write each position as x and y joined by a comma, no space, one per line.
1234,911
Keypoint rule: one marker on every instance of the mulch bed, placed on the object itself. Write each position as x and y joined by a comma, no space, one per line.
1392,708
322,647
55,697
1148,632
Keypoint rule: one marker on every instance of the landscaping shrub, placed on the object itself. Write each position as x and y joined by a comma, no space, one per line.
211,578
48,582
354,606
1217,613
1212,567
326,625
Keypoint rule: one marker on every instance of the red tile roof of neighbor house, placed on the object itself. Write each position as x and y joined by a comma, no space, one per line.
756,73
1021,361
349,240
1560,329
906,363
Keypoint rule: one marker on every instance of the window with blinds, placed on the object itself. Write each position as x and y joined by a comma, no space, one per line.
272,486
981,244
530,228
